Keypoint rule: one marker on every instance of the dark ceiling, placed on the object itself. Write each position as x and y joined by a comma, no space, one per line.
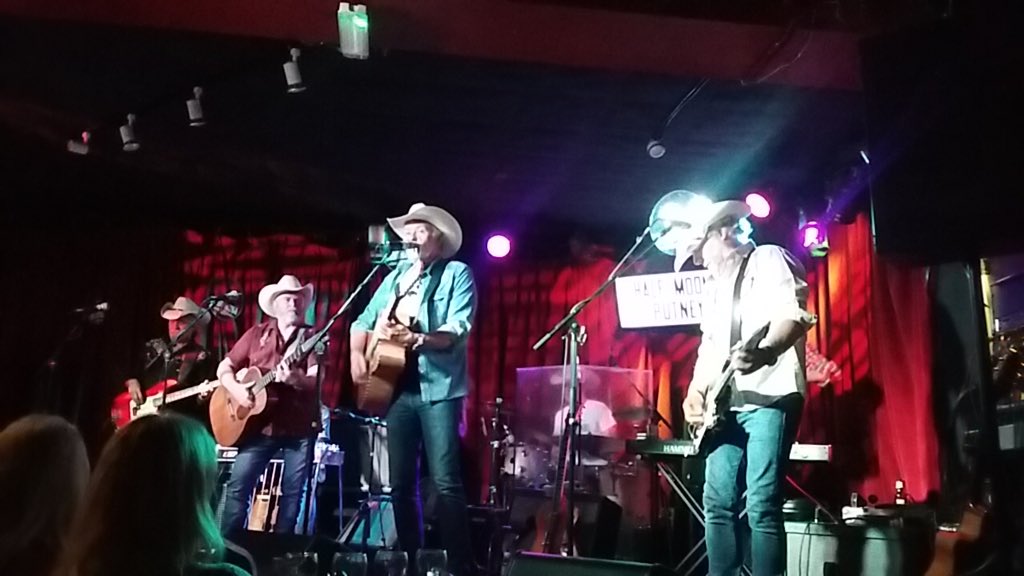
502,144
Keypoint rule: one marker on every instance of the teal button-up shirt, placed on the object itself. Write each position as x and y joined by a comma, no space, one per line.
444,374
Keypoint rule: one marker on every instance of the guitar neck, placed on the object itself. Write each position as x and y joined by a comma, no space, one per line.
186,393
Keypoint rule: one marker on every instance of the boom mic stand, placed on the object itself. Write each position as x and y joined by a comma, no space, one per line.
574,336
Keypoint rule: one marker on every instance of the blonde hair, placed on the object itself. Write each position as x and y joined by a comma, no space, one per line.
44,470
149,503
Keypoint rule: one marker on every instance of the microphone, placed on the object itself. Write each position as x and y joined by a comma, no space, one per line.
372,420
98,307
232,296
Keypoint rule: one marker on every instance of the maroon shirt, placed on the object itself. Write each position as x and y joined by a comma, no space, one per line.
296,412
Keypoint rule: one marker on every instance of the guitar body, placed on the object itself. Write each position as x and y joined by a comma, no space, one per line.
947,544
228,419
386,362
716,406
718,398
123,409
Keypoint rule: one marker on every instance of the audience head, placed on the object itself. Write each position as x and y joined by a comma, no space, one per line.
44,471
148,508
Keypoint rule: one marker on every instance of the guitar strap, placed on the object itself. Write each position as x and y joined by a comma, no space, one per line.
737,320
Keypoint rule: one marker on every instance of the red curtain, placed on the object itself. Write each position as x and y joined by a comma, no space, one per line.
874,322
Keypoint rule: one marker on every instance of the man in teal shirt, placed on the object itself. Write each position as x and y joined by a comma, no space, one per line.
427,306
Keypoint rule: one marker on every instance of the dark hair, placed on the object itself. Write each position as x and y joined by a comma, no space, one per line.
44,470
148,509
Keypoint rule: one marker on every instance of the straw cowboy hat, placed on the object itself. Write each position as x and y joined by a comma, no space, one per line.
440,218
288,284
182,307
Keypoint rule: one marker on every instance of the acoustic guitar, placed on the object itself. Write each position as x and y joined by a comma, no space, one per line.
123,410
229,420
385,361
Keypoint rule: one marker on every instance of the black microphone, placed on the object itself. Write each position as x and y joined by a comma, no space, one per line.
98,307
232,296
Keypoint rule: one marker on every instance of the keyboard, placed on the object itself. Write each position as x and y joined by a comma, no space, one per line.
659,448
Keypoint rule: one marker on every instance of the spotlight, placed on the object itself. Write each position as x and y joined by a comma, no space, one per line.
864,157
814,238
499,246
195,108
292,74
655,149
353,31
128,140
80,146
759,205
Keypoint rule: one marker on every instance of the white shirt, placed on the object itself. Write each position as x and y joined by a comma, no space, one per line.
773,289
596,419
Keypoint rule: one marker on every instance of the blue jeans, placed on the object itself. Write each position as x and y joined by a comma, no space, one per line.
435,425
759,442
252,460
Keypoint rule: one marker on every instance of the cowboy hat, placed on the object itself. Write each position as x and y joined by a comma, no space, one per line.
288,284
715,214
182,307
440,218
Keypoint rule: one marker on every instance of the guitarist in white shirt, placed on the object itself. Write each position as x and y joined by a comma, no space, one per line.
767,392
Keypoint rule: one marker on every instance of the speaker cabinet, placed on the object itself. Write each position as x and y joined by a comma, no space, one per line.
598,524
528,564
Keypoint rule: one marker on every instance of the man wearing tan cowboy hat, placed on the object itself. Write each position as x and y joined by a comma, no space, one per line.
189,362
287,426
433,300
750,286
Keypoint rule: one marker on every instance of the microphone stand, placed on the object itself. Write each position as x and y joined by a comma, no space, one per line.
574,336
311,470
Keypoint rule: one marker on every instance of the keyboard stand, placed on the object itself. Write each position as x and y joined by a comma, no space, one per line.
699,551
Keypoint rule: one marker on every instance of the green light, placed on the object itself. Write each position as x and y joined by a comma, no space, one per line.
361,21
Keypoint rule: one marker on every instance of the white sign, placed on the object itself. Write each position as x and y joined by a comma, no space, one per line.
672,299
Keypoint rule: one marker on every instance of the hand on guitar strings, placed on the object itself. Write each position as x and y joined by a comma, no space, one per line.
135,390
397,333
748,361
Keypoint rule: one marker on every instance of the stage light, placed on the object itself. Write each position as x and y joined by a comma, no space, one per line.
353,31
673,217
195,108
292,74
864,157
128,140
759,205
80,146
499,246
814,238
655,149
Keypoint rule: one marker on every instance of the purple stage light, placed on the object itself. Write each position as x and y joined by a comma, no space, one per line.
759,205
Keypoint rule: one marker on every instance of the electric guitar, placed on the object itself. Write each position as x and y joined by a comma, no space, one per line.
124,410
716,400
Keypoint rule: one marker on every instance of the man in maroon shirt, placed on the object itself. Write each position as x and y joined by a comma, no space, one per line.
288,424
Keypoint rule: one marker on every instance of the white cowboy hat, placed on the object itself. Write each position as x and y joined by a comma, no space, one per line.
440,218
182,307
288,284
681,220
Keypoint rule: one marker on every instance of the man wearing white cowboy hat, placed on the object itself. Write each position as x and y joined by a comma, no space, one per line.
189,362
292,421
426,305
749,287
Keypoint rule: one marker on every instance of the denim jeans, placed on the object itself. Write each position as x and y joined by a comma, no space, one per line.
434,425
253,457
757,442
